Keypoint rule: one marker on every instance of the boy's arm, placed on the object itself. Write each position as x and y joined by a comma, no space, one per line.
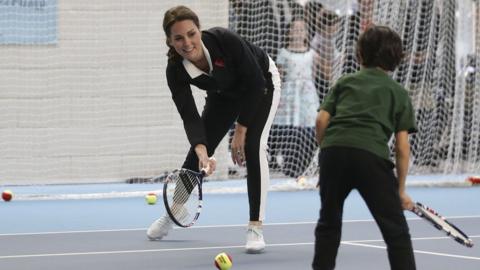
321,123
402,150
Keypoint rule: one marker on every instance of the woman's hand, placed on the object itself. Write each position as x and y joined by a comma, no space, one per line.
204,162
238,145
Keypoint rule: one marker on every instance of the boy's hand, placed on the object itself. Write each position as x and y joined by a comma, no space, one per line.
407,203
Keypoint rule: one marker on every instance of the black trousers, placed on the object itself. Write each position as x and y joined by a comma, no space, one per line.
219,116
343,169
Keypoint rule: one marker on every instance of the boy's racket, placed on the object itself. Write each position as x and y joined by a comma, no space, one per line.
182,196
442,224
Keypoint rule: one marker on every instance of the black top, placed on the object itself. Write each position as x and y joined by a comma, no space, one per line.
239,71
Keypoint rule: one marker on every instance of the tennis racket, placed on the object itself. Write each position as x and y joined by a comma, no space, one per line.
442,224
182,196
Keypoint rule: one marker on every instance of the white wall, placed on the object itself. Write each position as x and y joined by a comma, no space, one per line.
94,107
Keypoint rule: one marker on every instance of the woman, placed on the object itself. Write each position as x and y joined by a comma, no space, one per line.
243,89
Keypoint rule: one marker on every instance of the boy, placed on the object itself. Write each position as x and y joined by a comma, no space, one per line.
353,127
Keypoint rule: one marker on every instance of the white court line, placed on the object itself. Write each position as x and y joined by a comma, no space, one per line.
413,239
114,252
175,228
71,232
352,243
219,226
178,228
141,251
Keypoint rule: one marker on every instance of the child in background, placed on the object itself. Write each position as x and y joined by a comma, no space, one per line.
292,138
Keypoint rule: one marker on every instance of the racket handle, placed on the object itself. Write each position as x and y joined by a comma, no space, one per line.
416,210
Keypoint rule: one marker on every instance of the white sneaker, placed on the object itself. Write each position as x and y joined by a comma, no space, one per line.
159,228
255,243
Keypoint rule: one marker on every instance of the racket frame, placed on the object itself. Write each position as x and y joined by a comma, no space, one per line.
199,178
424,212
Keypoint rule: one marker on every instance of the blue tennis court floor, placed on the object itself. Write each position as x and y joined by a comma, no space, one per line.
110,233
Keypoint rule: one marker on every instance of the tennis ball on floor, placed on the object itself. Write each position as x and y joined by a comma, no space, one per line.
301,180
151,198
223,261
474,180
7,195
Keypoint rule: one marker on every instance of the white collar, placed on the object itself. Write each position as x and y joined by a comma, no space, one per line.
192,70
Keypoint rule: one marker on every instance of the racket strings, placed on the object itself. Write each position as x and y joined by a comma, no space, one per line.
183,196
184,186
181,213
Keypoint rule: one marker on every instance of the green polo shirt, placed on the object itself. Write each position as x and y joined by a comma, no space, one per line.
367,107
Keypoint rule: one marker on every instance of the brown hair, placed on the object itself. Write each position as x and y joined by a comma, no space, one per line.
380,46
289,30
173,15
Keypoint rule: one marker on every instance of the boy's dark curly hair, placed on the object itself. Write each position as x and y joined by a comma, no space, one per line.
379,46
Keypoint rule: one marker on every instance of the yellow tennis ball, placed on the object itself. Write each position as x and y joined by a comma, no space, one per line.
223,261
151,198
302,181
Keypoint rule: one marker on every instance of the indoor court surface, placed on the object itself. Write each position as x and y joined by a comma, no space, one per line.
110,233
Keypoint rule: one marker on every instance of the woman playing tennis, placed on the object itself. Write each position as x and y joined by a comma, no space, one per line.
243,90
